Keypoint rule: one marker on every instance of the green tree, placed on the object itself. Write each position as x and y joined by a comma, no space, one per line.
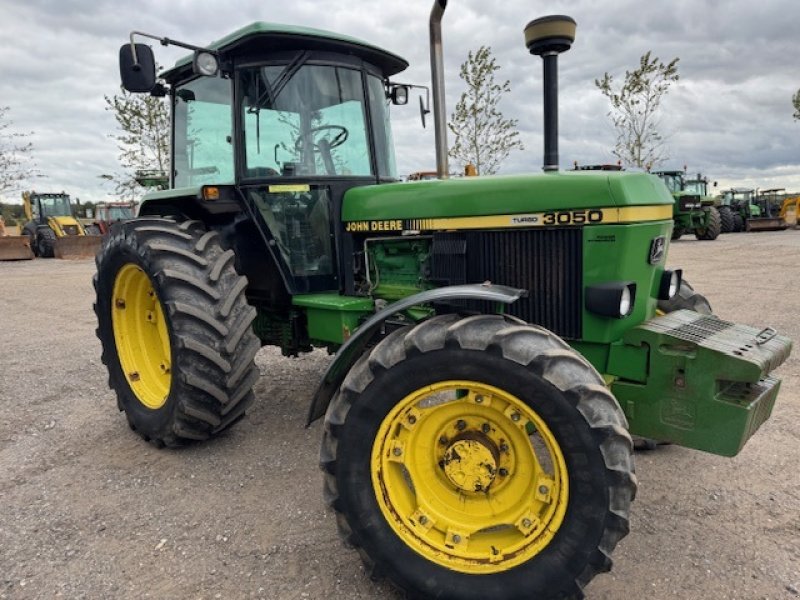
16,164
796,104
483,137
143,139
635,110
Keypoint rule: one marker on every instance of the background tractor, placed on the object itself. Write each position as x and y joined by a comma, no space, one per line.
694,209
742,204
770,203
108,213
496,338
53,229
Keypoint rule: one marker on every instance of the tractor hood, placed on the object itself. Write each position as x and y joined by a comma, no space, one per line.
500,195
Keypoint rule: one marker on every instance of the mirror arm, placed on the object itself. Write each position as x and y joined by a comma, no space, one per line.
164,41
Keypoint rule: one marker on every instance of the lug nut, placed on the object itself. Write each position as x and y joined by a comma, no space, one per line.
503,447
543,489
461,425
397,451
456,539
515,417
478,399
502,472
485,428
423,520
412,419
443,440
526,523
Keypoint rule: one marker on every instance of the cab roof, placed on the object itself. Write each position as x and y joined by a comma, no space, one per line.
264,37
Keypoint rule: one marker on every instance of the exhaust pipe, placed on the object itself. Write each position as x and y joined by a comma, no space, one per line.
437,80
548,37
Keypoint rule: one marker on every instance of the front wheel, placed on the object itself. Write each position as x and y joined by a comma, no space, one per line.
175,329
45,242
478,458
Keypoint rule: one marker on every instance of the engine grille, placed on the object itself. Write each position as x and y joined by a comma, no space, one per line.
546,262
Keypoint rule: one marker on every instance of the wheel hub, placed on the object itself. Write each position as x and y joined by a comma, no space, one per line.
470,465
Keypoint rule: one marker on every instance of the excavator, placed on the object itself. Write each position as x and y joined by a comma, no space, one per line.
52,228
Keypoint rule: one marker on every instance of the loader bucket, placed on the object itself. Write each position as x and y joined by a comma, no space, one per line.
77,246
15,247
765,224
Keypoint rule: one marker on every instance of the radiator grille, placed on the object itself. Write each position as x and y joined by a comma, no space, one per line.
546,262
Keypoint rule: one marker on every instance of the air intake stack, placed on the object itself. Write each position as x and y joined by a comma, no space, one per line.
548,37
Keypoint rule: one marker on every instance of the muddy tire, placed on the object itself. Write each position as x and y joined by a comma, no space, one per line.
175,328
725,219
688,299
45,242
713,225
738,223
441,417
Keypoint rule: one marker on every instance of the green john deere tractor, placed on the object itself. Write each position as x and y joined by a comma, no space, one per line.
694,209
497,339
743,206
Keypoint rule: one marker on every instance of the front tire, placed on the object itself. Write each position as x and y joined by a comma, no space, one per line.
478,458
175,329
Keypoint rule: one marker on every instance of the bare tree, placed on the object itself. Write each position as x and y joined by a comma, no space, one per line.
143,141
483,137
634,110
16,164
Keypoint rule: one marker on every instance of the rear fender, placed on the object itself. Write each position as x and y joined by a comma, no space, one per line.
354,347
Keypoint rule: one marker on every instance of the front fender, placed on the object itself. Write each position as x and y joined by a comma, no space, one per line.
354,347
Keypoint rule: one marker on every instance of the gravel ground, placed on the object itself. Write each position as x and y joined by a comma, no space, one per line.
91,511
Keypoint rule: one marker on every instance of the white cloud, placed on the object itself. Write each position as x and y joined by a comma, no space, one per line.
730,116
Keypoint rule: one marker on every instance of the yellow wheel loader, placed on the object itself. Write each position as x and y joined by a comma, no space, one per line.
52,228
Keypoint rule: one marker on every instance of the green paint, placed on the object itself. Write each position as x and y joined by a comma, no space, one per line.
476,196
707,386
331,318
396,267
283,35
620,253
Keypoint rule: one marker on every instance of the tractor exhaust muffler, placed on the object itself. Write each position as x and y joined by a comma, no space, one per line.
548,37
437,81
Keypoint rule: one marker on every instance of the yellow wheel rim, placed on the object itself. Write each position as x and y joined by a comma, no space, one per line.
469,476
141,337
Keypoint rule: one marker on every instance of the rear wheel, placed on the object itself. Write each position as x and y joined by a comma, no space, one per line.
45,242
725,219
677,232
738,222
175,329
478,458
713,225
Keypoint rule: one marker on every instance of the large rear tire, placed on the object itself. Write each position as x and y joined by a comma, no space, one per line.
738,223
175,328
713,225
725,219
478,458
45,242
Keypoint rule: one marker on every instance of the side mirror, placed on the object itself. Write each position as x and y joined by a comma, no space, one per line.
137,67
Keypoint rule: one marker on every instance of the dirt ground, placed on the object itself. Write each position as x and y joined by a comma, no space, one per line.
88,510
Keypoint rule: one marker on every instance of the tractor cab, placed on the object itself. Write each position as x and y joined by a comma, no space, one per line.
283,121
45,206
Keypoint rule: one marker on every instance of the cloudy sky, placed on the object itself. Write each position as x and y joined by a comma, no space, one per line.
730,115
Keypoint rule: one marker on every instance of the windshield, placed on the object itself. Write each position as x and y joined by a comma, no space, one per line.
697,188
302,119
55,206
673,182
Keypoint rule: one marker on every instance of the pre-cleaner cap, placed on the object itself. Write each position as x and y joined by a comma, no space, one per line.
553,33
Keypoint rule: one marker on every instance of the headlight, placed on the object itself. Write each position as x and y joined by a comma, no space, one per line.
205,63
615,299
670,284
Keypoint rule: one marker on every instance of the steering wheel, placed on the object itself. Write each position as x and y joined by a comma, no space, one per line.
339,139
